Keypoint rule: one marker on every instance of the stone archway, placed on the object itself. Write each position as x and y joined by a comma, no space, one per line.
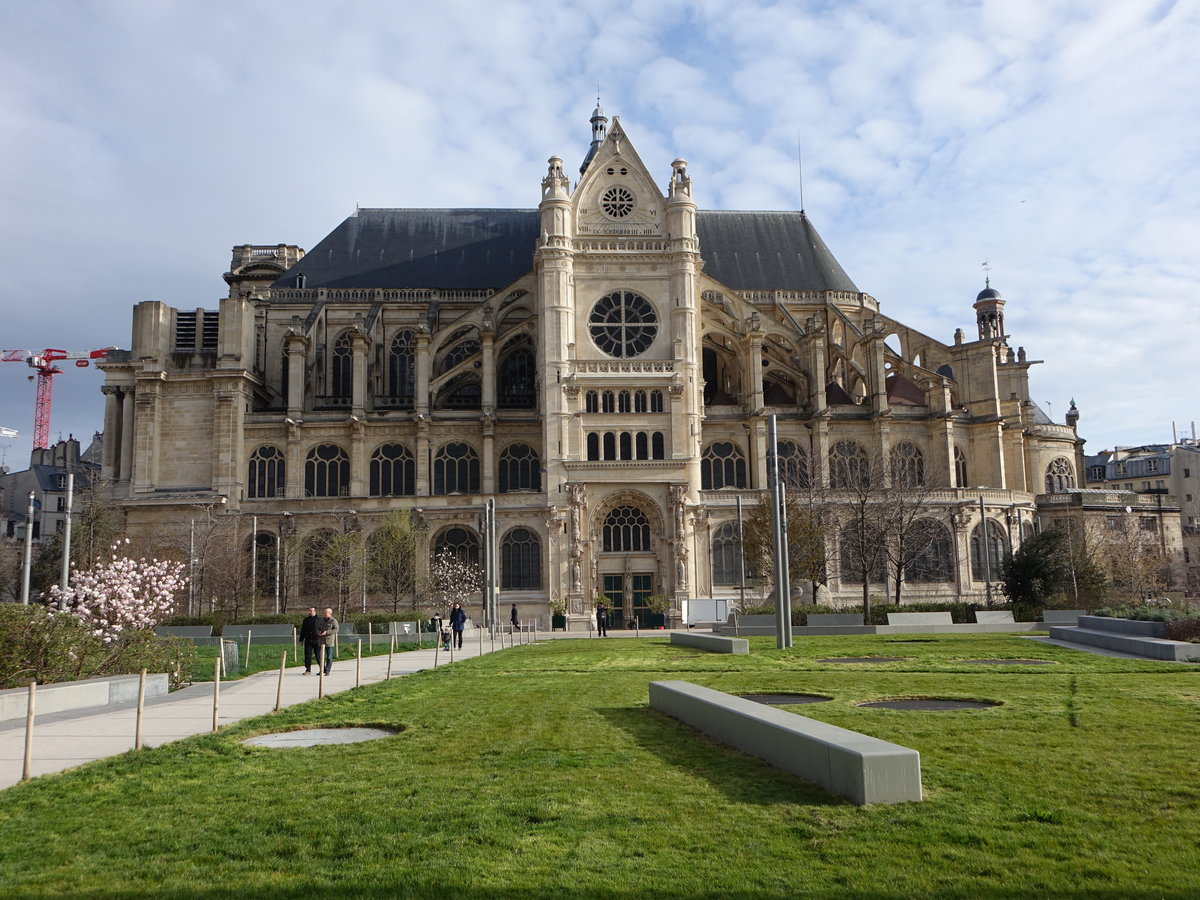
629,553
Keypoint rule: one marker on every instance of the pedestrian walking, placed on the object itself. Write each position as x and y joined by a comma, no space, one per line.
458,621
512,617
327,627
312,642
602,619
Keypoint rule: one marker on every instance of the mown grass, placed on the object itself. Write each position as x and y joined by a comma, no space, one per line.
265,657
541,772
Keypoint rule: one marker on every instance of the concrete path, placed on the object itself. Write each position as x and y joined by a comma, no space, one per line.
68,739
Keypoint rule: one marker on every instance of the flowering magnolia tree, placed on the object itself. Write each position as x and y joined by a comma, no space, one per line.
453,580
120,595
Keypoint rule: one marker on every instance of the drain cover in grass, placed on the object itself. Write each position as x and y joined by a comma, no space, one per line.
862,659
1009,662
311,737
785,699
929,703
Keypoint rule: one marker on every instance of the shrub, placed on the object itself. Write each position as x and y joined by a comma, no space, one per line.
1184,629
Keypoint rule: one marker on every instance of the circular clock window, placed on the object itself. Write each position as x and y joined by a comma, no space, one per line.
617,202
623,324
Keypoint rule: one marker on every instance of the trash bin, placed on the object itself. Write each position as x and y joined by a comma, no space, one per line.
407,628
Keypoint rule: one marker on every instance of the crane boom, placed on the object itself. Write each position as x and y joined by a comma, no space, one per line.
43,362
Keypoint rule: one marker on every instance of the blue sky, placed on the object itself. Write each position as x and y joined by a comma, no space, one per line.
141,139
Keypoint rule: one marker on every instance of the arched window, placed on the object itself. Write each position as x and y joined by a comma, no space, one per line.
467,346
726,555
856,547
521,561
593,445
626,445
463,391
723,465
591,402
610,445
266,475
642,449
908,465
793,465
520,469
960,468
639,401
656,445
456,470
848,466
932,559
624,401
393,472
518,384
341,368
1059,476
997,550
626,530
656,401
401,368
607,402
327,472
458,542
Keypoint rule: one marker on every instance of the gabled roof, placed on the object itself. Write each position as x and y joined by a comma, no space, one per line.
486,249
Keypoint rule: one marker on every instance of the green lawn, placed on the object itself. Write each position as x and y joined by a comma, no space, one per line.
540,771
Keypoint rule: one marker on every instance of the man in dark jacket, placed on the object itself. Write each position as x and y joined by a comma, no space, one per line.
602,619
312,643
458,621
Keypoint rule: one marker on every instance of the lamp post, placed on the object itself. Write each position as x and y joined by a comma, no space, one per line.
27,560
64,580
985,549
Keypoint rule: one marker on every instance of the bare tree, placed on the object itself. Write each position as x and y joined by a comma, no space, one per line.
392,559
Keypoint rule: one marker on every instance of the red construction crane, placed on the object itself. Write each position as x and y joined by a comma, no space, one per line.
44,362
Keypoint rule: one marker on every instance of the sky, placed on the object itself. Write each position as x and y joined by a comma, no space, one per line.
1057,140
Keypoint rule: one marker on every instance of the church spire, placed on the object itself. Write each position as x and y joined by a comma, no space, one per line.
599,130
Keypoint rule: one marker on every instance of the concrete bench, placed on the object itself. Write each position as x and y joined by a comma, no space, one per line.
259,634
713,642
843,762
826,620
1061,616
920,618
68,695
190,632
994,617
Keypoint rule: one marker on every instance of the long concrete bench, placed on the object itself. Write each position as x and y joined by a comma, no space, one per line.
1061,616
843,762
920,618
1131,636
713,642
824,620
68,695
190,632
259,634
994,617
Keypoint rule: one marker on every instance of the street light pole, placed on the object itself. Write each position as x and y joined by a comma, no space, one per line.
985,548
64,580
27,561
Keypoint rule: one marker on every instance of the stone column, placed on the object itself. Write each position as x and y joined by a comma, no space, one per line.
487,462
297,348
360,342
421,397
423,450
112,436
126,467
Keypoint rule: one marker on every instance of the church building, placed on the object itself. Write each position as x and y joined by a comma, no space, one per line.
603,367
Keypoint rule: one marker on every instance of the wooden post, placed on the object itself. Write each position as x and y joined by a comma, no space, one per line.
29,731
247,662
217,689
391,650
141,706
279,690
480,630
370,637
437,645
295,648
321,676
358,665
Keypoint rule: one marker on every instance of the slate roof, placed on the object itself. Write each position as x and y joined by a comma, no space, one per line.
482,249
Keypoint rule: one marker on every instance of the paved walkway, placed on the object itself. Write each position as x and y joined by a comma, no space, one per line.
67,739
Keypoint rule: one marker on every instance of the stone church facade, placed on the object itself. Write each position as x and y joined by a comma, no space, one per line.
602,366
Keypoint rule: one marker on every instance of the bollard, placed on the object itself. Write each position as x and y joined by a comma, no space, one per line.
321,676
246,663
370,637
217,691
480,630
141,707
436,646
295,648
492,636
358,665
279,690
29,732
391,650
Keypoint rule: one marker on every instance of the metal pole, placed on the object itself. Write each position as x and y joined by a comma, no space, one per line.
785,566
741,558
29,732
64,579
141,706
192,570
278,557
253,562
783,622
985,550
217,684
27,560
